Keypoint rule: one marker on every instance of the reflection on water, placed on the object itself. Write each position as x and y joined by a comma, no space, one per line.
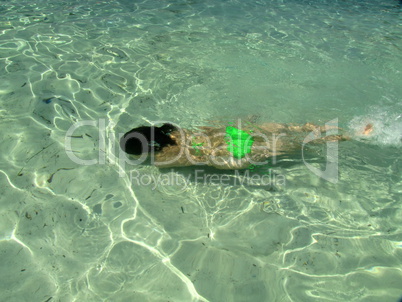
70,231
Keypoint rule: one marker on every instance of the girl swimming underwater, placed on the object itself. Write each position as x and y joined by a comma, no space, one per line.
222,147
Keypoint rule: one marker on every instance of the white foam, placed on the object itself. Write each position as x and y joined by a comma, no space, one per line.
387,128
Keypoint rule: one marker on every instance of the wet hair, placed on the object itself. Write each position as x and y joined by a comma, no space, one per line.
145,139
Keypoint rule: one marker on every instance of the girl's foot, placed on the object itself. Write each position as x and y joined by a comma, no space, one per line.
368,129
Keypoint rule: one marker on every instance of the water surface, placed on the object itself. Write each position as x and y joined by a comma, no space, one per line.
74,232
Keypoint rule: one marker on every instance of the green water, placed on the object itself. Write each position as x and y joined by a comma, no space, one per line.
110,231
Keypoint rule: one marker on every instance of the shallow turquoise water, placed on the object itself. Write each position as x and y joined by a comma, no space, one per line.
74,232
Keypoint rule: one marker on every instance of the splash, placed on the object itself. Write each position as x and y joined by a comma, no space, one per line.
380,128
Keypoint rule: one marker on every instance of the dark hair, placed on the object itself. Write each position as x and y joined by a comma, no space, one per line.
144,139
